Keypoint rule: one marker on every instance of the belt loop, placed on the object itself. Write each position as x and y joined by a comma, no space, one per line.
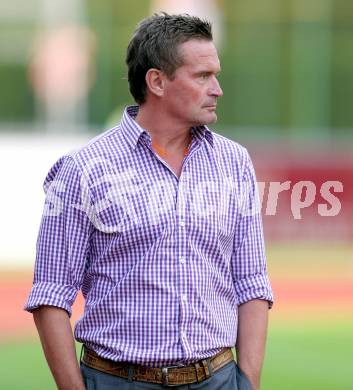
197,366
165,376
130,373
210,367
206,367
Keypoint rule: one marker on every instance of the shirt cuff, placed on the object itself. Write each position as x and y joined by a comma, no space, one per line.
254,287
51,294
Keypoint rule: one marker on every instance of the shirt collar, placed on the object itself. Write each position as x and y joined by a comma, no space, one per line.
133,131
202,132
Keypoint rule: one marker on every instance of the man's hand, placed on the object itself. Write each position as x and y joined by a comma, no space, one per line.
251,339
55,333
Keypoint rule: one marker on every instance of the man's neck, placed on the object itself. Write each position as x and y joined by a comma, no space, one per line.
167,135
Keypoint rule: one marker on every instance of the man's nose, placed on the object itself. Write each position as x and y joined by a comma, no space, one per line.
215,88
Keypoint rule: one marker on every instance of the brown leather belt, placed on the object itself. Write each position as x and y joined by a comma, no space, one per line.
168,376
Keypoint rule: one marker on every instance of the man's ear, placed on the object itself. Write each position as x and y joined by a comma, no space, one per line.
155,80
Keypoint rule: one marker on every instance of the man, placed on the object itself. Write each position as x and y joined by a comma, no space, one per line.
156,221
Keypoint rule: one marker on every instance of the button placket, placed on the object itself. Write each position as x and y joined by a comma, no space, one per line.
181,228
181,207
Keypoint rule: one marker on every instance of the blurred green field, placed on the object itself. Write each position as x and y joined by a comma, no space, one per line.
307,357
312,356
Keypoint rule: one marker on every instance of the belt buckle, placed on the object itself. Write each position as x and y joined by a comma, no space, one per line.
165,369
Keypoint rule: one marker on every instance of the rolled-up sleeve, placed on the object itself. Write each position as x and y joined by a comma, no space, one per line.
62,251
249,266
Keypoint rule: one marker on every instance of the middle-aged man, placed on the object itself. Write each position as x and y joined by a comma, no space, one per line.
157,221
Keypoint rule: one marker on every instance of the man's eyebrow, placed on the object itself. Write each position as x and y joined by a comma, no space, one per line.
208,72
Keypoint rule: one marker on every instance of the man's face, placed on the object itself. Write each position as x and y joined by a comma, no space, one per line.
191,95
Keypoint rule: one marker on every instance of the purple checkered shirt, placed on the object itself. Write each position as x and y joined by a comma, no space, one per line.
163,263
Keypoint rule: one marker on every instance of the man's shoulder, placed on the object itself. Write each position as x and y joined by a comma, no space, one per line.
88,157
103,144
228,147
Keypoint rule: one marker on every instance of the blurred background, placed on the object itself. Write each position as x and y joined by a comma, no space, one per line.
287,76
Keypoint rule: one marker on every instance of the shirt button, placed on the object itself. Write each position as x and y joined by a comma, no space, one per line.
182,223
184,297
182,260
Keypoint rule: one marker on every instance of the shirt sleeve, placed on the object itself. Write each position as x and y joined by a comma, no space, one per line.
248,259
62,252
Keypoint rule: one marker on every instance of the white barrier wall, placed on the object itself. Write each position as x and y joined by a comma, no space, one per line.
24,163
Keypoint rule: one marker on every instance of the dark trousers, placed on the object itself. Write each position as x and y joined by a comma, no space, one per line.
228,377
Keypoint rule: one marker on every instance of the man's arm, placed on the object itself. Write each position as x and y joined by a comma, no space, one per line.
251,339
55,333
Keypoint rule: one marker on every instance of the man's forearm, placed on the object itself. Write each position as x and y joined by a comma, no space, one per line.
251,339
55,333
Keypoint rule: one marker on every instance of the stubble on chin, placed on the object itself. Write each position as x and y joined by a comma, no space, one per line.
213,119
204,120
